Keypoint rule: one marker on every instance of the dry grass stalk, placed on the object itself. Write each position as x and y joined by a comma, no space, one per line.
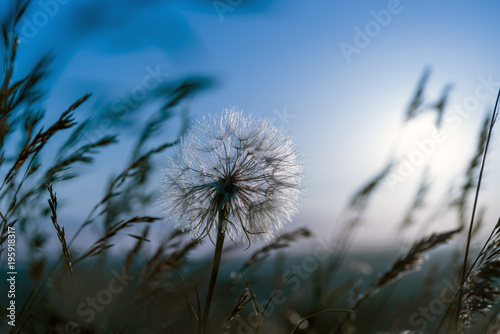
61,235
418,201
360,199
169,256
471,172
416,104
31,148
62,165
129,261
441,104
260,318
243,300
409,263
101,244
480,291
484,142
281,241
5,227
82,154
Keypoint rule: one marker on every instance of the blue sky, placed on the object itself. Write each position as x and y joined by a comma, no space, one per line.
285,58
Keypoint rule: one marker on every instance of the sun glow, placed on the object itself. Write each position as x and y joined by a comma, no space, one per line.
420,143
415,134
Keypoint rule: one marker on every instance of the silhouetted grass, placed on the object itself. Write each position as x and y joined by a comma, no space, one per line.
155,284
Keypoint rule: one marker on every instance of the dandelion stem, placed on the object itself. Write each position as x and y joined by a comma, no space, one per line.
215,269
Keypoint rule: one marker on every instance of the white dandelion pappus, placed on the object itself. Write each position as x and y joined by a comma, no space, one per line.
236,167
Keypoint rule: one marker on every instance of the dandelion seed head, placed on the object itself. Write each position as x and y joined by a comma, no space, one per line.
237,166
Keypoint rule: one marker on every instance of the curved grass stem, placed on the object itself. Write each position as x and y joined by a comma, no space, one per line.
478,187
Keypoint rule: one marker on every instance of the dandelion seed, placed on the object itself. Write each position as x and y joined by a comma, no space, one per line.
238,166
